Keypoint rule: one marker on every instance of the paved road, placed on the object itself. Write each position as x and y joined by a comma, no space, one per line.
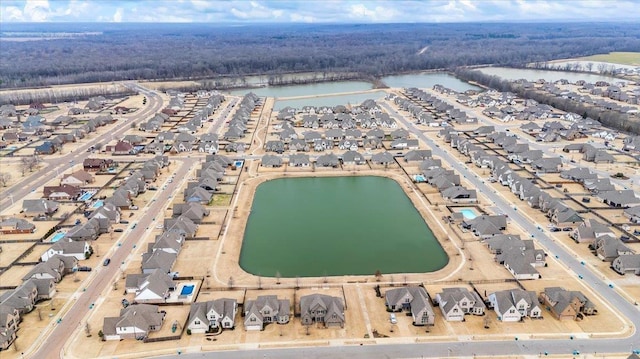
59,164
102,277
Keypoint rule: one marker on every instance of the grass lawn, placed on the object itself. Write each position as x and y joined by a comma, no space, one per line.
221,200
624,58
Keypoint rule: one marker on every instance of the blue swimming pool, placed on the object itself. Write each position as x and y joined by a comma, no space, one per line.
86,196
57,237
187,289
98,204
419,178
238,164
468,213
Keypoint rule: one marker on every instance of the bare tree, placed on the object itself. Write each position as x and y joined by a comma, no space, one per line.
259,282
589,66
4,179
278,277
230,283
378,275
87,329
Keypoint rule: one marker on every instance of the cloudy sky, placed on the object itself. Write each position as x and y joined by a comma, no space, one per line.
316,11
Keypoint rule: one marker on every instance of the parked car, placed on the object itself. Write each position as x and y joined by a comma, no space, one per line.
555,229
153,188
118,230
124,221
106,262
393,319
567,229
84,269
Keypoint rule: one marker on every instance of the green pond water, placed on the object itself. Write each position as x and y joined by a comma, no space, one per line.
312,227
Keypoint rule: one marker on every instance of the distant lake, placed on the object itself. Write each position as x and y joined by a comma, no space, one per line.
307,89
534,75
353,99
427,80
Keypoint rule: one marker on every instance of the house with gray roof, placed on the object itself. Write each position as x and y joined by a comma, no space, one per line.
297,144
328,160
629,263
590,230
633,214
22,299
352,158
271,161
197,194
609,248
486,226
154,287
412,299
299,160
515,304
107,211
417,155
619,199
135,322
459,194
214,314
16,225
160,260
191,210
455,303
274,146
322,309
382,158
565,304
578,174
39,207
547,165
182,225
55,268
264,310
77,249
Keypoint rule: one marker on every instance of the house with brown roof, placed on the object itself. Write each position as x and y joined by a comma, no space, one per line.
564,304
77,178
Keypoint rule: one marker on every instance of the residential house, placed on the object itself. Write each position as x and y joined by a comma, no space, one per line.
627,263
322,309
633,214
96,164
299,160
265,309
80,250
135,322
16,226
565,304
39,207
413,299
609,248
454,303
486,226
154,287
206,316
619,199
515,304
459,194
154,260
63,192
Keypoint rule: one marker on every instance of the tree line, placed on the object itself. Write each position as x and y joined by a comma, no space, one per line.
203,51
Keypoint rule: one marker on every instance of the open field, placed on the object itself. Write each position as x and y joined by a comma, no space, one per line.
623,58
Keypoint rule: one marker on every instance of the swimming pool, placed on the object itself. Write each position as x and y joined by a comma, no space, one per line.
187,289
238,163
98,204
86,196
419,178
468,213
57,237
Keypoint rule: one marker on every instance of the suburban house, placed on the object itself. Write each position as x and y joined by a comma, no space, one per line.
194,211
39,207
55,268
154,287
299,160
627,263
77,178
214,314
77,249
619,199
65,192
454,303
486,226
565,304
515,304
322,309
459,194
108,212
519,257
135,322
590,230
609,248
153,260
633,213
16,226
413,299
96,164
265,309
271,161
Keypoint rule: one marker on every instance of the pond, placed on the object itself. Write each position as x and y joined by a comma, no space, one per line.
352,99
329,226
307,89
428,80
534,75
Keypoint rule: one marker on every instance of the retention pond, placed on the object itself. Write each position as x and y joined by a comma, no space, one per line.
329,226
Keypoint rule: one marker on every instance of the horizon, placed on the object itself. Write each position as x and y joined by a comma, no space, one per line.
259,12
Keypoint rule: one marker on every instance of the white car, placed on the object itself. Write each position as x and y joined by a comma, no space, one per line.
393,319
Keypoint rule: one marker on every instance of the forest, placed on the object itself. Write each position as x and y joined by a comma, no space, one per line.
109,52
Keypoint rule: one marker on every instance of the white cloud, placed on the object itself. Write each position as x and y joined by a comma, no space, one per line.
37,10
11,13
117,16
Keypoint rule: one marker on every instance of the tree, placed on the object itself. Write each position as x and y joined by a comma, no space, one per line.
4,179
230,283
278,277
378,275
87,329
